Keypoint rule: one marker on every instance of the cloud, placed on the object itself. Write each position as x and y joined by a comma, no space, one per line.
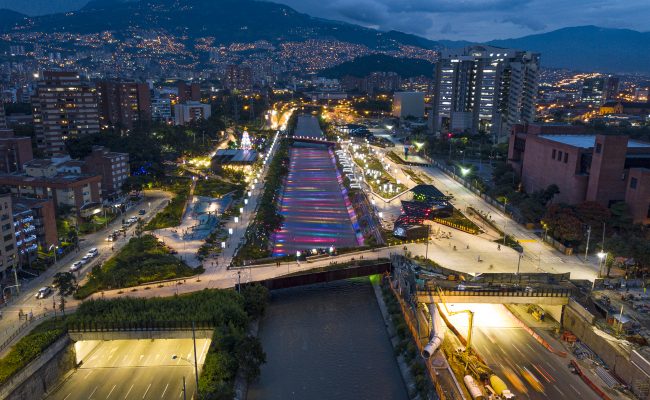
532,24
452,6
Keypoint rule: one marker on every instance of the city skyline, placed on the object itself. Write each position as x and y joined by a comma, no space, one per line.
471,20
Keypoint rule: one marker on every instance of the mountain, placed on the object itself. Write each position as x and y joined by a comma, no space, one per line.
362,66
9,19
226,20
588,48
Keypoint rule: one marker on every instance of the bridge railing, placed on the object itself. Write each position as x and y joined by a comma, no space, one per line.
117,326
541,292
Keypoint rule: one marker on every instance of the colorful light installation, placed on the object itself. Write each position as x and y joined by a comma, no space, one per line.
315,206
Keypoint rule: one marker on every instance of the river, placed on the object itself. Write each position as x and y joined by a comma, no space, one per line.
327,341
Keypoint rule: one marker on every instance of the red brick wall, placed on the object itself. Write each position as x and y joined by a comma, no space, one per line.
606,177
638,199
540,169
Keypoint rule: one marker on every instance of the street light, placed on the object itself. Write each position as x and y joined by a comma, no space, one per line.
601,256
464,171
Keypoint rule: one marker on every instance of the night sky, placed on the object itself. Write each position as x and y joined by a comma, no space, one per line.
474,20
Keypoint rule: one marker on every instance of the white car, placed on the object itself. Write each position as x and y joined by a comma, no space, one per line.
43,292
93,252
76,266
87,258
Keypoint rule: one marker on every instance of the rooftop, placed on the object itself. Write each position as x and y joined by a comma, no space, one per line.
587,141
226,156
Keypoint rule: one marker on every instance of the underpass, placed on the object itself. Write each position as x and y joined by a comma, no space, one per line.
508,350
133,369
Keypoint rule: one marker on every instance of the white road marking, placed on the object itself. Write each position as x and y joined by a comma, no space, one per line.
146,391
558,389
91,395
550,366
202,357
573,387
516,348
109,393
88,374
127,393
66,397
164,391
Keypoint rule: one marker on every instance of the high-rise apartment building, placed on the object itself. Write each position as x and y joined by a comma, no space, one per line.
63,107
238,77
188,92
484,89
599,89
123,104
7,234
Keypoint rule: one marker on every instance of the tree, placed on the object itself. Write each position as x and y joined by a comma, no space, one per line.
563,223
592,213
255,300
66,284
250,356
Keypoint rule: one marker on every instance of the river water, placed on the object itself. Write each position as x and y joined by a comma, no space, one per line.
327,341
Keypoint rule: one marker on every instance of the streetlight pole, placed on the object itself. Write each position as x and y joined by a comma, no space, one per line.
588,237
184,389
196,368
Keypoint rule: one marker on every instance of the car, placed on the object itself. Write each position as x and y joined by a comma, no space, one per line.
76,266
93,252
110,238
43,292
142,212
87,258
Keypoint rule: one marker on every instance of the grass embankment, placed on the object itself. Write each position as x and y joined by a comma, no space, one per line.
142,260
30,347
172,213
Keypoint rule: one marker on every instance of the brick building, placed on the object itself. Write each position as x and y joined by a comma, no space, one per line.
7,234
62,107
586,167
188,92
123,104
113,167
14,151
42,180
43,220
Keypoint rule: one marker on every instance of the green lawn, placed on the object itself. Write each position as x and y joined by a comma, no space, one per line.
171,215
142,260
216,188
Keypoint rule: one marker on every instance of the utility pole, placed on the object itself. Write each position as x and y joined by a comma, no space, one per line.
426,253
238,281
588,237
196,367
184,389
602,245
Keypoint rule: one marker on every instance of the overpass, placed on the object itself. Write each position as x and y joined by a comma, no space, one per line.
426,284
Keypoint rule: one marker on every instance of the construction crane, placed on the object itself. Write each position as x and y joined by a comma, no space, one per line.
470,314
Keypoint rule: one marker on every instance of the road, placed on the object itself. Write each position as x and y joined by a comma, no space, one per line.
135,369
506,346
26,300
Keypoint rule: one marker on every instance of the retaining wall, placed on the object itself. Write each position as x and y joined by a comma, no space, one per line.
617,358
42,374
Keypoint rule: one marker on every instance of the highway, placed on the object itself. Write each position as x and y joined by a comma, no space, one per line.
506,346
135,369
